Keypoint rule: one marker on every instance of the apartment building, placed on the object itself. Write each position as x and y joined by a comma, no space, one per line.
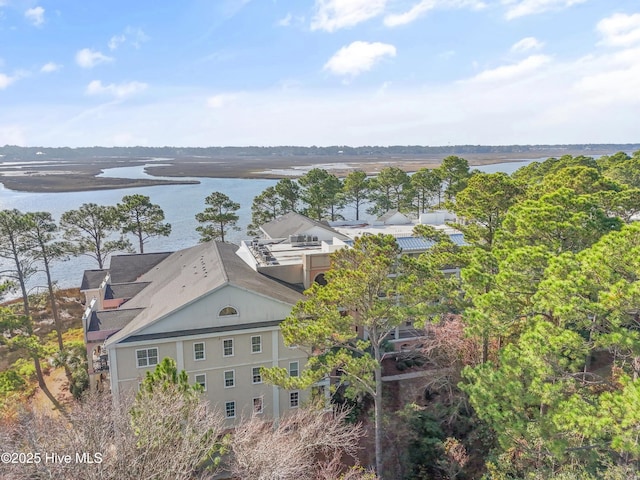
205,308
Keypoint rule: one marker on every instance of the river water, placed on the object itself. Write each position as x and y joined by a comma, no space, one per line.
180,203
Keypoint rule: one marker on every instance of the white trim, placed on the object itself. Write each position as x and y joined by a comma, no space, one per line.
275,356
252,375
233,378
118,338
201,336
233,348
297,368
237,314
179,355
205,379
113,374
297,392
204,351
260,344
253,405
235,407
147,354
237,366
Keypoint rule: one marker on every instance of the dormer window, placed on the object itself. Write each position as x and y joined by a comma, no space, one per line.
228,311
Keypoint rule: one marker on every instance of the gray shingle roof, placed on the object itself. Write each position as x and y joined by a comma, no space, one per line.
124,290
293,223
128,268
92,279
186,275
111,319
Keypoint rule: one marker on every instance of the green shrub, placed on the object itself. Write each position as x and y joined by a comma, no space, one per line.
25,368
11,381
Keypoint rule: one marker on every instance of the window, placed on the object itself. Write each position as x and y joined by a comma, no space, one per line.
198,351
293,369
294,399
227,311
256,344
256,375
230,409
229,378
147,357
227,347
257,405
201,379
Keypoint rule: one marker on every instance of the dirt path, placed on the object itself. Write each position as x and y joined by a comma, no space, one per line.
58,386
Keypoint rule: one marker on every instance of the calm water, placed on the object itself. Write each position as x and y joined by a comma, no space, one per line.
179,202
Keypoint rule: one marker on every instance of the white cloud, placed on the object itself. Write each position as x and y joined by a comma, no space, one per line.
422,7
220,100
521,8
331,15
6,80
35,16
116,90
285,21
412,14
616,81
592,99
511,72
526,44
50,67
87,58
620,30
131,36
116,41
358,57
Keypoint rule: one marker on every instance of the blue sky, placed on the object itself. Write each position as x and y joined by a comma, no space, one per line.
319,72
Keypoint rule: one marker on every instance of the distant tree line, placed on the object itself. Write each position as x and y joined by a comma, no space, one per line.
12,152
321,195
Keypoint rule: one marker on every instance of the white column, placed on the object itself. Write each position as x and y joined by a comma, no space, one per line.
113,373
180,355
275,357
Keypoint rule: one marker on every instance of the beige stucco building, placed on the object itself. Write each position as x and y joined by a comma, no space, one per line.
205,308
216,309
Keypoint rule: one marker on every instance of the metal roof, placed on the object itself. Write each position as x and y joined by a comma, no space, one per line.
419,244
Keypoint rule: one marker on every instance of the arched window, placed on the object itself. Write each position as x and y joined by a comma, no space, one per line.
227,311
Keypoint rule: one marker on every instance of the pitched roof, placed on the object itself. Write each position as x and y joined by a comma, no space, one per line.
187,275
128,268
92,279
111,319
390,214
124,290
293,223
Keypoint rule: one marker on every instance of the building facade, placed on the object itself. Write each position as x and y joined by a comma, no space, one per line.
204,308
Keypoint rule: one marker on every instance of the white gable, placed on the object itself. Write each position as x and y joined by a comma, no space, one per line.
204,312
